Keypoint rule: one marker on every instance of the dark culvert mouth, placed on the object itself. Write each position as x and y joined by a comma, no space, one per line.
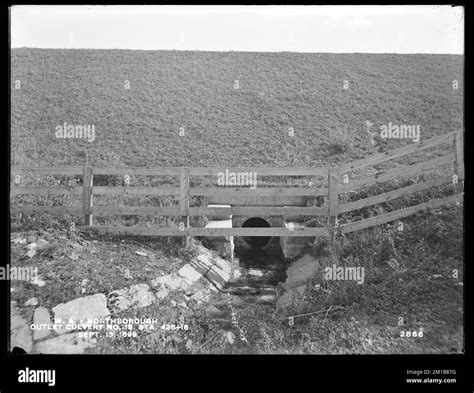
256,241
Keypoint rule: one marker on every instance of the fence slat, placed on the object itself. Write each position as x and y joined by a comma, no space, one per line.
258,232
259,210
459,165
134,211
396,215
87,183
208,171
333,181
34,190
57,210
259,200
137,171
135,190
394,194
47,170
259,191
401,151
184,199
442,161
204,211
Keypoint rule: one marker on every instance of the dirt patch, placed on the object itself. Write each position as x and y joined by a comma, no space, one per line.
71,266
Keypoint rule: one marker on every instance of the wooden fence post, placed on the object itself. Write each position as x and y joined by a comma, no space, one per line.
184,199
459,163
87,182
333,189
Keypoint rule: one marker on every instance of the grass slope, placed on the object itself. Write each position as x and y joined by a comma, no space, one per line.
224,126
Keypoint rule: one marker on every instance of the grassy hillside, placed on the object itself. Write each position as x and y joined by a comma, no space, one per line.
224,126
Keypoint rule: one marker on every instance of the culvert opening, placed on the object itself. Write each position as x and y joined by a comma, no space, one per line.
256,241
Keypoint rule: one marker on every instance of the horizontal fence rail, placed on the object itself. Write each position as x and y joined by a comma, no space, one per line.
15,190
388,196
244,200
47,209
46,170
257,232
135,190
205,211
398,214
262,171
267,191
443,161
401,151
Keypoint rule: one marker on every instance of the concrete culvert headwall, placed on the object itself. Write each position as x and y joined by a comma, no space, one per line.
257,241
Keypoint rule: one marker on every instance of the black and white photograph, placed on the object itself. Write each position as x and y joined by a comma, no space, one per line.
236,180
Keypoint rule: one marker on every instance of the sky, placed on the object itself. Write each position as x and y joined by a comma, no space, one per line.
335,29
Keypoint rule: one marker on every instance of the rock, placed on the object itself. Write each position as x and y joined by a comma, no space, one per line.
267,298
393,263
189,274
213,268
31,253
41,244
141,253
136,296
141,295
19,240
212,310
189,344
292,297
20,331
80,310
230,337
41,316
301,271
171,281
255,272
69,343
37,281
237,274
201,296
31,302
161,293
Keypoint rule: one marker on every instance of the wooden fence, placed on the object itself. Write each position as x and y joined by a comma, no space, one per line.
337,184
